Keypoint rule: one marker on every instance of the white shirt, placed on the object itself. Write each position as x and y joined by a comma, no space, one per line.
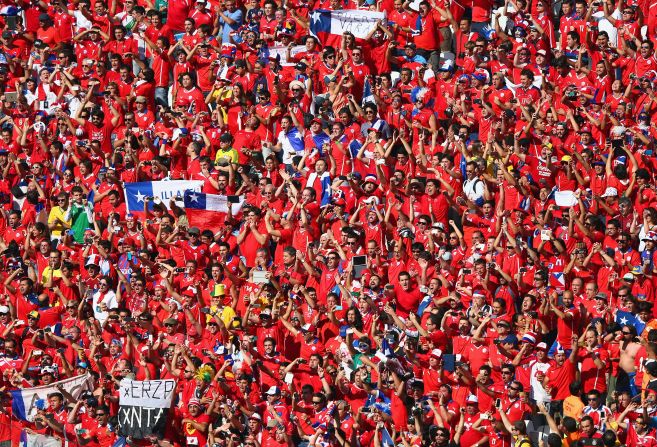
474,189
110,301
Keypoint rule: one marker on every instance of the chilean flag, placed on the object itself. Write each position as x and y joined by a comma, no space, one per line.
208,211
136,194
329,26
320,27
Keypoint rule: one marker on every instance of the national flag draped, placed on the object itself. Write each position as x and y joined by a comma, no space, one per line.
24,401
135,193
386,439
328,26
368,92
208,211
627,318
30,439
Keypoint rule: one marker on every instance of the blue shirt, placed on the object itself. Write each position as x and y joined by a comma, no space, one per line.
227,29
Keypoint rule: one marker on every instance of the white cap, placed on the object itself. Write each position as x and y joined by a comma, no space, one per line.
273,391
4,310
610,192
437,353
472,399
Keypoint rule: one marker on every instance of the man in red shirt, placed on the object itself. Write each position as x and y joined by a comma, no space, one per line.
407,295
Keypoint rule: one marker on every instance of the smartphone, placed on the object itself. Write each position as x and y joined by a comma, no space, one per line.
449,362
498,403
467,271
11,96
360,264
179,270
365,410
233,199
11,22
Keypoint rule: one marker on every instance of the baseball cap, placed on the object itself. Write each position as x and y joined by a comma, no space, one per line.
610,192
307,328
273,391
47,370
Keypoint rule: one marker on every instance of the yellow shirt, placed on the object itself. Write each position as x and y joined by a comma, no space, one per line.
226,314
56,217
230,154
45,276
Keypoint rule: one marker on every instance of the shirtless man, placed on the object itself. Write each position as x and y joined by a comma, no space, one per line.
629,361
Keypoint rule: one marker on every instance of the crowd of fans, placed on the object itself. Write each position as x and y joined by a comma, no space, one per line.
447,238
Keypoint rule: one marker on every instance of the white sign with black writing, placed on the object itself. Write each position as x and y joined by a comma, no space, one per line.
144,406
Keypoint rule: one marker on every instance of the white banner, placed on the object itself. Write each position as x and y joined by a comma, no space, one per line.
359,23
281,51
147,393
35,440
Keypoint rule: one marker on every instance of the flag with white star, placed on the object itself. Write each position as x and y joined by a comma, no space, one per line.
328,26
626,318
136,194
208,211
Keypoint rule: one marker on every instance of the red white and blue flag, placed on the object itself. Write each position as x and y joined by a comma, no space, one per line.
136,194
329,26
208,211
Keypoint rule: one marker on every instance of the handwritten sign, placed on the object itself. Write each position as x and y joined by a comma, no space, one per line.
144,406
